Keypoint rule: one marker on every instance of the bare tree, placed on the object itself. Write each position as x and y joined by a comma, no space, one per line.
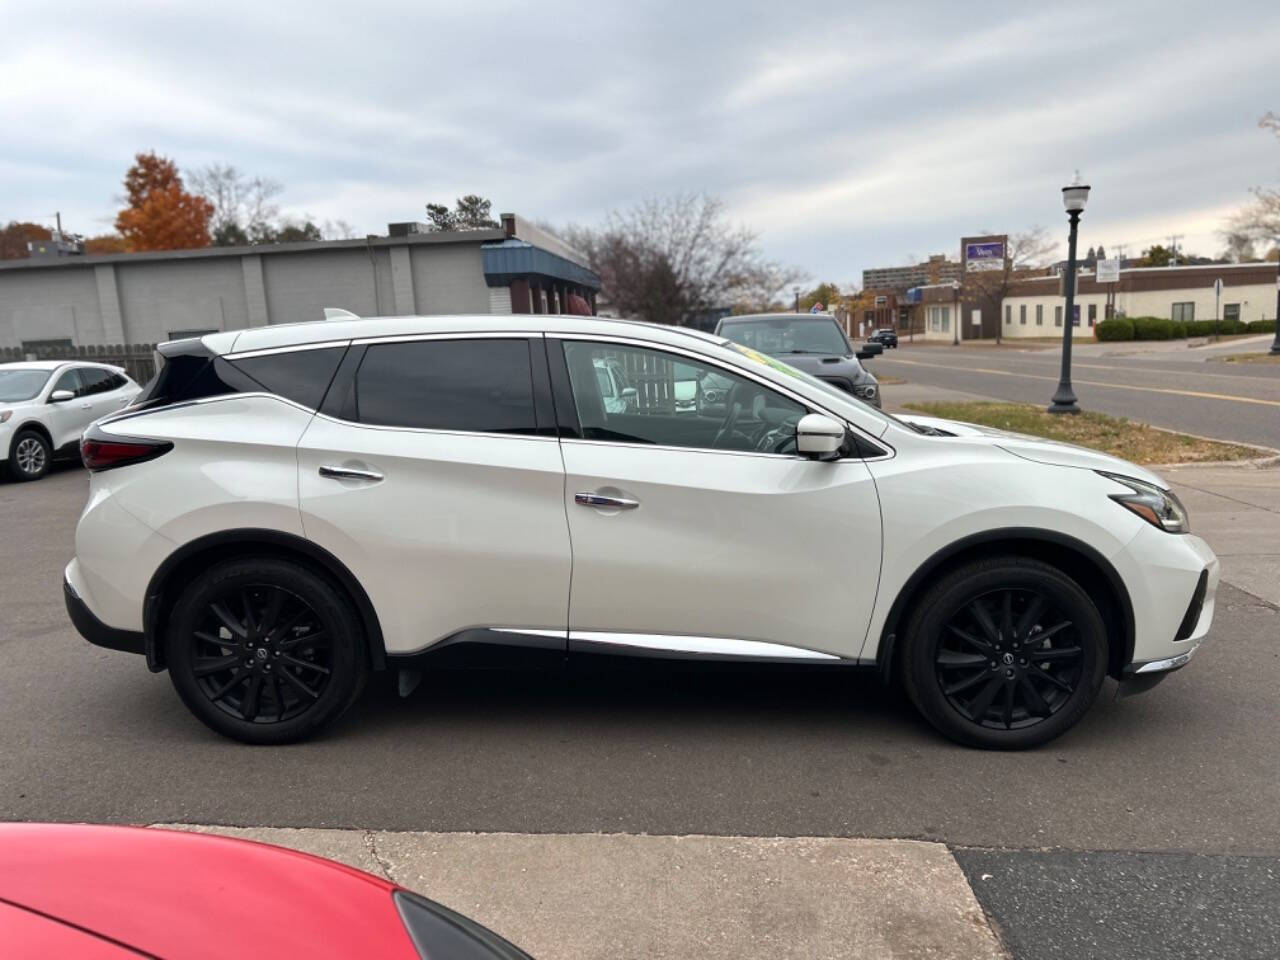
1238,246
242,205
669,258
1025,253
1261,219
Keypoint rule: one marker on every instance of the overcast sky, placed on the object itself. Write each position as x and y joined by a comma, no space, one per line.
846,134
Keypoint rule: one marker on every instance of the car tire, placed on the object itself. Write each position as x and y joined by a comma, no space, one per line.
1004,653
265,651
29,456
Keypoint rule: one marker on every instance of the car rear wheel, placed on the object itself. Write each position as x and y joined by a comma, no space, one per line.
29,456
265,651
1004,653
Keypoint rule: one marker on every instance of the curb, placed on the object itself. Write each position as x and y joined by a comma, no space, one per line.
1269,460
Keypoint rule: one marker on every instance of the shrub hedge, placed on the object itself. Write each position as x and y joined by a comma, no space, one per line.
1158,328
1117,328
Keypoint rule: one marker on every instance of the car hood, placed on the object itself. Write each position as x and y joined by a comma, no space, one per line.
14,404
1039,450
824,365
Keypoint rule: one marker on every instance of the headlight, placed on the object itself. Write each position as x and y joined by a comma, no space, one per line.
1160,508
865,391
5,415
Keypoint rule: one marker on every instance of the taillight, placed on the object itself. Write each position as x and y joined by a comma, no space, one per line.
102,452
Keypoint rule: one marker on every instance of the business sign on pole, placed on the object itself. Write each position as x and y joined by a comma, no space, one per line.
1108,271
984,255
1217,287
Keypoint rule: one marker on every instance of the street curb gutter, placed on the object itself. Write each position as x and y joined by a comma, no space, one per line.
1269,459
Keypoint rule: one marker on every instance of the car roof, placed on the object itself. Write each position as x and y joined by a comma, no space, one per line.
781,315
337,331
55,364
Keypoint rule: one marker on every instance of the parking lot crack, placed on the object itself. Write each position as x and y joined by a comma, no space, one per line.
371,844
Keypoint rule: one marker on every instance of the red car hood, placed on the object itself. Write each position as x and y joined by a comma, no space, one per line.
190,895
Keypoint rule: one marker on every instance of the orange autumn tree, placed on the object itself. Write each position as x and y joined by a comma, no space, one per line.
160,214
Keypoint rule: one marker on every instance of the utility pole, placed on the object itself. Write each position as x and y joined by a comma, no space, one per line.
1173,248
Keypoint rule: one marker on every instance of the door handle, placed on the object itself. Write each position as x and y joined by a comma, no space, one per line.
598,500
349,473
86,406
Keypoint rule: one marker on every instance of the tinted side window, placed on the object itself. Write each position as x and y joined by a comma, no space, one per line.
476,385
299,375
70,380
675,401
95,380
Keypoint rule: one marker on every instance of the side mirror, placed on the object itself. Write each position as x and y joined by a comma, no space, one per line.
61,396
869,350
819,437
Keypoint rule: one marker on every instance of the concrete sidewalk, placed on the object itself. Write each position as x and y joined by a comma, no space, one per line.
617,896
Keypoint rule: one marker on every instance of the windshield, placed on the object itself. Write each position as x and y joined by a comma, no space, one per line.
787,335
821,385
21,384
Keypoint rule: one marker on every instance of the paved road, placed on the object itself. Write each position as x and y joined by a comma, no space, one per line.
89,734
1178,389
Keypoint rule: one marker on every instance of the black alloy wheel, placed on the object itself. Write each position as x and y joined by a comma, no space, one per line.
1004,653
262,654
1009,659
265,651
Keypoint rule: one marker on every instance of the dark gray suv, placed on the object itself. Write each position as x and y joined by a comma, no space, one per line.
812,342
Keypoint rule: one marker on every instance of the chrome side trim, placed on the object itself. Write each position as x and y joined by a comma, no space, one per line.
1168,663
559,634
710,646
294,348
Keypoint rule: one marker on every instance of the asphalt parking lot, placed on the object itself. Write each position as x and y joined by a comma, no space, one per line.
1148,798
89,734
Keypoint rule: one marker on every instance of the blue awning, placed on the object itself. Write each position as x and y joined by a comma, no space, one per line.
515,259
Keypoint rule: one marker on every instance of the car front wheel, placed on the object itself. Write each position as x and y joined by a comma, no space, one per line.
29,456
265,651
1004,653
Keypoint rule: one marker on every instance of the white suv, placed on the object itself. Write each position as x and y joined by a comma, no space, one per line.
45,406
287,508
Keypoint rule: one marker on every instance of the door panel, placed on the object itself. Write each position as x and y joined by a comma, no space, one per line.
462,531
68,419
740,546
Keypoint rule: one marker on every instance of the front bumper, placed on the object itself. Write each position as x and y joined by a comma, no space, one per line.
1172,581
94,630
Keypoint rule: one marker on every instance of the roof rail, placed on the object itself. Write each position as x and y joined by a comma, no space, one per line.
337,313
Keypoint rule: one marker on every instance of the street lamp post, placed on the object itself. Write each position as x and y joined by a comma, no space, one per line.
1074,198
955,311
796,291
1275,345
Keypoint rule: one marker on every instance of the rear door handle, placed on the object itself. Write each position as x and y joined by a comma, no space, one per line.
349,473
599,500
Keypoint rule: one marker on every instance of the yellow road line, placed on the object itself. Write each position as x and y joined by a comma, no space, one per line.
1098,383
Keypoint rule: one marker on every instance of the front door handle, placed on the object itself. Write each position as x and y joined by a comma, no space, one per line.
349,473
599,500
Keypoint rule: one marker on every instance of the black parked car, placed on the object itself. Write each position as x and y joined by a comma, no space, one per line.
885,336
812,342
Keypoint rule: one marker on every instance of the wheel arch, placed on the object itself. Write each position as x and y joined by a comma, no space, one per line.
35,426
179,566
1077,559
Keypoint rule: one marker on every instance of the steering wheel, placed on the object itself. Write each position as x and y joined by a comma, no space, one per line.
734,408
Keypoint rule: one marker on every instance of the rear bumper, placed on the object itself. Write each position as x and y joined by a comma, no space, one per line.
94,630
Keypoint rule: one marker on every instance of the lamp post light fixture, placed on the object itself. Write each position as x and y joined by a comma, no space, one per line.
955,311
1074,197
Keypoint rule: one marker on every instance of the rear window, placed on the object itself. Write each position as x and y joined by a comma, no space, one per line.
189,372
481,385
299,375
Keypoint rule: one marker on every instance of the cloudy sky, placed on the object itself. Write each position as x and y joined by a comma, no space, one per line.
846,134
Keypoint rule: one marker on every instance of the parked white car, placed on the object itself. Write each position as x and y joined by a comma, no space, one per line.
46,405
289,507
